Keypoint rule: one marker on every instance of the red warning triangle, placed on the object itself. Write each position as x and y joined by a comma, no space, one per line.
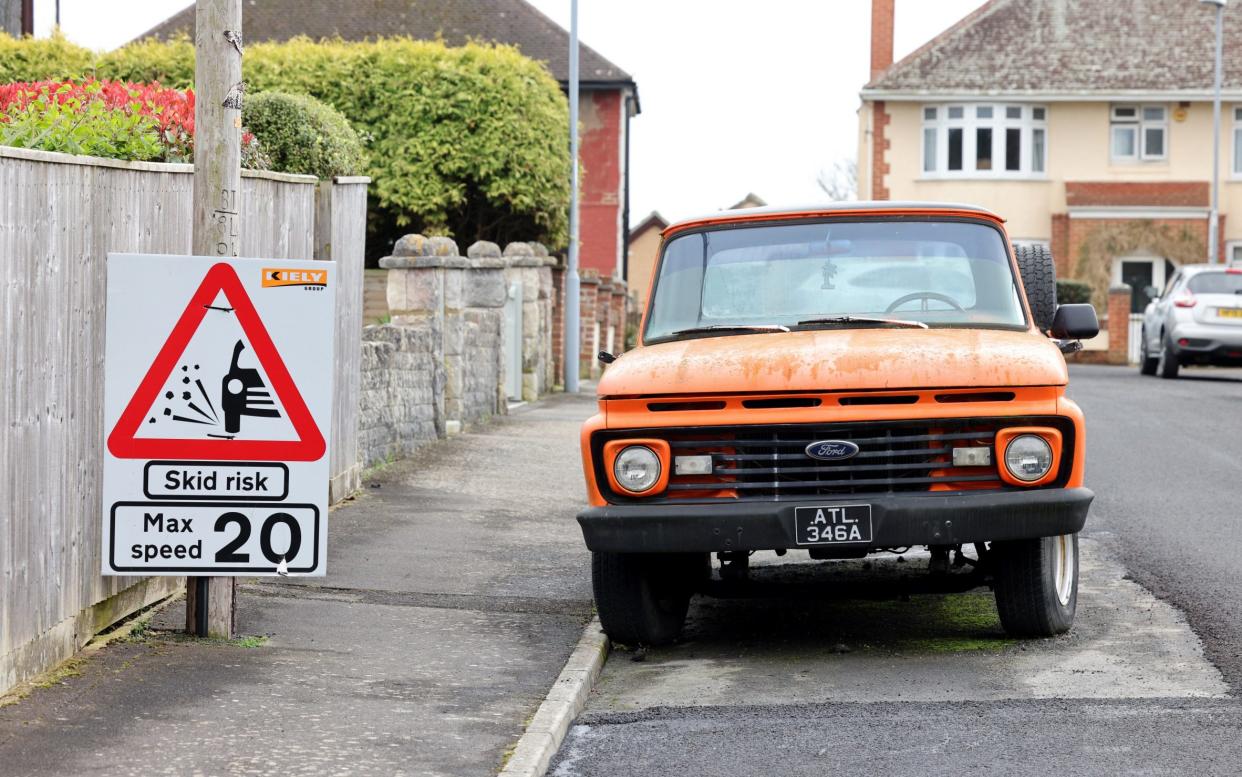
309,444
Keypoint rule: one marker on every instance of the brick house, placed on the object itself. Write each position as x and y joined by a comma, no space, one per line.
609,94
1088,125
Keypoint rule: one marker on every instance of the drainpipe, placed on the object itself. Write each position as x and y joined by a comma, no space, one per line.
625,206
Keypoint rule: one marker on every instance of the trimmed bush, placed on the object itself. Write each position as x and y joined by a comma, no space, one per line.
467,141
299,134
1070,291
42,59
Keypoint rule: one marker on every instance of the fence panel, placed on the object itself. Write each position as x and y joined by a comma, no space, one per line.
60,215
341,237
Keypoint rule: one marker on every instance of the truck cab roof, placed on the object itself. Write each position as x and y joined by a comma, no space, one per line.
860,208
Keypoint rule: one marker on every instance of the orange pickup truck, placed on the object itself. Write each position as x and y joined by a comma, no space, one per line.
843,380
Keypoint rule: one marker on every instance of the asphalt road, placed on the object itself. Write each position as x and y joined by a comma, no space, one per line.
757,687
1164,458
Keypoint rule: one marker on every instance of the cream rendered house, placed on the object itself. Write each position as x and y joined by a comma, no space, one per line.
1086,123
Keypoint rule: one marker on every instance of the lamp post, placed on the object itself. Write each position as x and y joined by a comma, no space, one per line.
572,300
1214,217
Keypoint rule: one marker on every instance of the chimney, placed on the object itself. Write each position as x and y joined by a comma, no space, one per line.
881,36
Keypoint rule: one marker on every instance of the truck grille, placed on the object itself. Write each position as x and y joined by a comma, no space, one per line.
770,462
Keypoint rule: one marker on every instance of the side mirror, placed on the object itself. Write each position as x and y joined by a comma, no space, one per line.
1075,322
1152,293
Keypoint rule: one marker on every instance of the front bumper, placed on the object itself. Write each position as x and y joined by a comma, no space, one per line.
898,520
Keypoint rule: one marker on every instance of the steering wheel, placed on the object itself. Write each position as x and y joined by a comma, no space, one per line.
925,296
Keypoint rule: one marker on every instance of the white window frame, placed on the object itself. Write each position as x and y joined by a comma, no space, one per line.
1233,253
1119,117
1236,166
937,126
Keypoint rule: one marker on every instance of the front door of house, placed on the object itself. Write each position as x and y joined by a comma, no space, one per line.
1141,274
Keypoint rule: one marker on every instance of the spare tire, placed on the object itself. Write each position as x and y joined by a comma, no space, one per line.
1039,278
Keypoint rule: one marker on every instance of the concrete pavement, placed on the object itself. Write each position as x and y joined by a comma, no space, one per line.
457,587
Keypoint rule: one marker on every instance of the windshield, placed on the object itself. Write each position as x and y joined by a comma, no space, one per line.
1215,283
938,273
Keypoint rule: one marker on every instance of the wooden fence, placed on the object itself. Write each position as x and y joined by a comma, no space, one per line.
60,215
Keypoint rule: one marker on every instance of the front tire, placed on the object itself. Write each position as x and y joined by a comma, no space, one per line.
1167,364
642,599
1147,362
1036,584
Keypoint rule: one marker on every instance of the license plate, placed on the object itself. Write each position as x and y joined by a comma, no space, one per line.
1229,312
836,525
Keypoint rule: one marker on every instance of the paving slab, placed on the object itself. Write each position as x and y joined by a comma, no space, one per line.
457,587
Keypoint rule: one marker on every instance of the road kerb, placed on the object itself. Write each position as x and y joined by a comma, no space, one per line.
568,695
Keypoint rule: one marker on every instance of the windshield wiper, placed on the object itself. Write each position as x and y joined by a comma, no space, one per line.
698,330
847,320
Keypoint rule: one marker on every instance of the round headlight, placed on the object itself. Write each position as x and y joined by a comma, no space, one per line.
1028,457
637,468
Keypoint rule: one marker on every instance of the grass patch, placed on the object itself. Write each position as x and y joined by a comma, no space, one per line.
70,668
182,638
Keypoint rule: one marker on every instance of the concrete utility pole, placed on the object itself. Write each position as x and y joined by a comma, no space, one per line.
211,602
1214,223
572,300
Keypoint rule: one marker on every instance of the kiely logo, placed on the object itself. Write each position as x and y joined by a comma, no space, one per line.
274,276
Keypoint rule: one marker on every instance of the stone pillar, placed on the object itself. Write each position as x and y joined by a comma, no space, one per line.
482,300
421,274
588,319
1119,324
603,312
619,319
558,324
547,373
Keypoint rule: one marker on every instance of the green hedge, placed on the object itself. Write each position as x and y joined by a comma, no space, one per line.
1070,291
300,134
467,141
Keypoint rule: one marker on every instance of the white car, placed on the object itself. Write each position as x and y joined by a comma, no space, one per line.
1196,320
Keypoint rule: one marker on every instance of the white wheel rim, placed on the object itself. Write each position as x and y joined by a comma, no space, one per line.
1064,562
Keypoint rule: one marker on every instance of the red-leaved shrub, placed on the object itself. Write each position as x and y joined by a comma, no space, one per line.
171,110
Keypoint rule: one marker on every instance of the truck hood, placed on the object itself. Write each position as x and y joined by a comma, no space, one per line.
837,360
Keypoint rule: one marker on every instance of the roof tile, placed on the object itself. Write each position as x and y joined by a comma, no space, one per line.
1057,46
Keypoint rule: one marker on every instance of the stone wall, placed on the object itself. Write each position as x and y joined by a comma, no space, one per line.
401,401
438,366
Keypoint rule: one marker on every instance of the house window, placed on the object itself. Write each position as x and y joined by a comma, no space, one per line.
1237,143
984,141
1233,250
1139,133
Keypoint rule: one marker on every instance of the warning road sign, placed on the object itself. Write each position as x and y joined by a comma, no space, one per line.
218,389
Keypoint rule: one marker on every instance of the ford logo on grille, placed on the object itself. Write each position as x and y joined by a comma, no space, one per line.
832,450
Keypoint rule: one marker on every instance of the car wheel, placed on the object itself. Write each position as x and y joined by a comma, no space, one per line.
1167,364
1147,362
1036,584
642,598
